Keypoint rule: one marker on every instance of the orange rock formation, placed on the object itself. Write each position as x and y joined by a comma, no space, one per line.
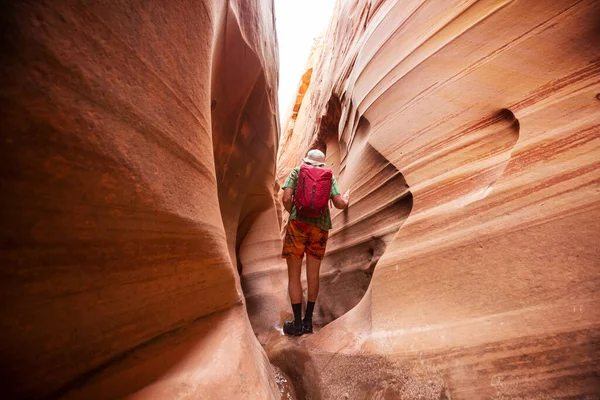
141,227
138,140
488,109
486,113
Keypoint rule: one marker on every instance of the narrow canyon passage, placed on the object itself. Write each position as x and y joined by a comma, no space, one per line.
143,153
489,287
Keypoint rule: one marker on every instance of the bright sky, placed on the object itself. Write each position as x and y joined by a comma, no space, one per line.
298,23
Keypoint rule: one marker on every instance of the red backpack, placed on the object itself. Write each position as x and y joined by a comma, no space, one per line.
312,191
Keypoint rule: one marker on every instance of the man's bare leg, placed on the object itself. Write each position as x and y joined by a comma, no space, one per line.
313,266
295,290
294,283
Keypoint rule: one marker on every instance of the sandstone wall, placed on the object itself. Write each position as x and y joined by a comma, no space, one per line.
486,113
138,144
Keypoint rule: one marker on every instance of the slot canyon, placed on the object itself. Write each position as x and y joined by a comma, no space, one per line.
143,155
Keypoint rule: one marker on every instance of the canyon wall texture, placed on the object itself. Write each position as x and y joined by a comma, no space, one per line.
469,134
138,142
139,186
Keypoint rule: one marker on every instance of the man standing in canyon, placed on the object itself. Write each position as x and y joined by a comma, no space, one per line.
306,193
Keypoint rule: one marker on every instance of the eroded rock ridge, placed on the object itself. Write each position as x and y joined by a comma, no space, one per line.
139,141
469,135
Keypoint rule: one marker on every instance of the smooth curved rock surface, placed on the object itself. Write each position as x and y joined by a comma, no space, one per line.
127,177
488,110
139,149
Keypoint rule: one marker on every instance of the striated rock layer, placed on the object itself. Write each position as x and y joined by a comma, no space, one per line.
469,134
138,144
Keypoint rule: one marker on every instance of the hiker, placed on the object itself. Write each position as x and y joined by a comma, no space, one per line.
306,193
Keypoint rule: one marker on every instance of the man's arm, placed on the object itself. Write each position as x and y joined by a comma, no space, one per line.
288,190
288,194
339,201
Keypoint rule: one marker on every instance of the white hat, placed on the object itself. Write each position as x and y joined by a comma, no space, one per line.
315,157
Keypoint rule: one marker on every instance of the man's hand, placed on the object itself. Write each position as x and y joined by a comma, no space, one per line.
341,202
346,195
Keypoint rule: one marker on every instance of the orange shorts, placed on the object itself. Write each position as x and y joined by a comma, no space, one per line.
301,238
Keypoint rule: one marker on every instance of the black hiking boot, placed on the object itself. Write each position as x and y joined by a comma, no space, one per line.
293,328
307,326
